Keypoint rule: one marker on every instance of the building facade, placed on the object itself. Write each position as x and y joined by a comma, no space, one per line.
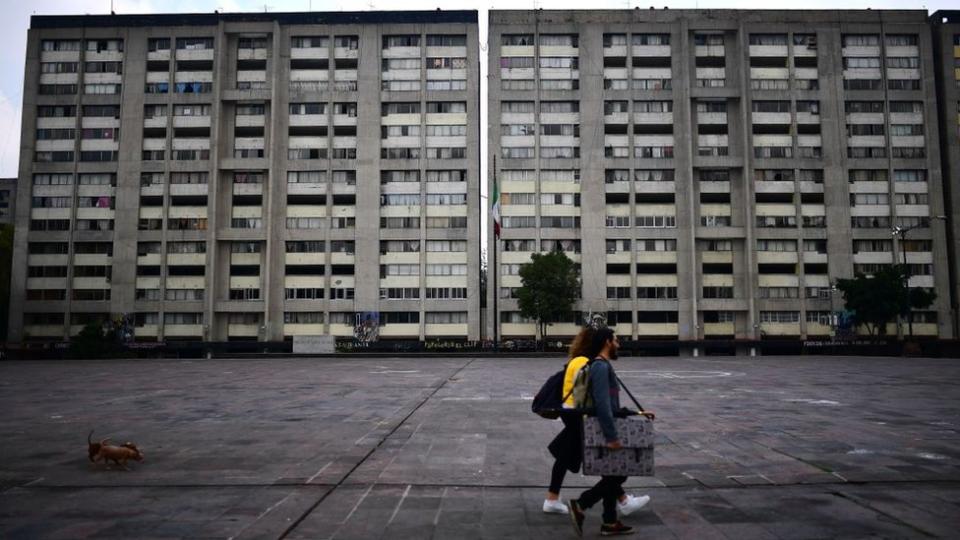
250,176
946,44
8,200
715,172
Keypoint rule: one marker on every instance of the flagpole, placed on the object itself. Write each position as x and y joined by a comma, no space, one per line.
496,243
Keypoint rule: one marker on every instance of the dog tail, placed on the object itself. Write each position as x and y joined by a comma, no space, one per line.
89,435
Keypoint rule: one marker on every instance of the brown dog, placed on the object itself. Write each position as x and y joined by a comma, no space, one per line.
118,454
93,448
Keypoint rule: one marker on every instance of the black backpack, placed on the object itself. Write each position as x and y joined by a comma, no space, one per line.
549,400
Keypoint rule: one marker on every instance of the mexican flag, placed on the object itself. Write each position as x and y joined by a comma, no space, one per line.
495,209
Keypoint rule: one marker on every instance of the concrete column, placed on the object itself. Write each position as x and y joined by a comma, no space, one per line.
127,203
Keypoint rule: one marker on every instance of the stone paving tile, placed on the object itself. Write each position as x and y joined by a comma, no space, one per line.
447,448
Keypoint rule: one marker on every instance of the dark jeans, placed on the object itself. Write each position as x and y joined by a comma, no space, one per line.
608,489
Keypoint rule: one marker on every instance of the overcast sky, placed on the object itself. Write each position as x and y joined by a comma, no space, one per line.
16,20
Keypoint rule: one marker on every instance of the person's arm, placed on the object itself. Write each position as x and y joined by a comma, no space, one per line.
600,387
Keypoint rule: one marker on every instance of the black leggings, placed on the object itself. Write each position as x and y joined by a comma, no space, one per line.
556,476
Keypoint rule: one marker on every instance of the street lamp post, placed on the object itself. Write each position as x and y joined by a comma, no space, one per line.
900,234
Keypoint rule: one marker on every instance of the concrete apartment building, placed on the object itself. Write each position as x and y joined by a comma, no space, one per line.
946,44
715,172
250,176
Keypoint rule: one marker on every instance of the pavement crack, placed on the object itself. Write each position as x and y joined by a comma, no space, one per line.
383,438
867,506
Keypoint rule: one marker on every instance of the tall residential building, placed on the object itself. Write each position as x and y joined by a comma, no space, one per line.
946,45
715,172
250,176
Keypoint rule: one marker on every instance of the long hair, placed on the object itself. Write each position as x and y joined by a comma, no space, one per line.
580,346
600,339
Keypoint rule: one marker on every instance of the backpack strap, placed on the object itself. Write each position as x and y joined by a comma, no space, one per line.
628,392
570,393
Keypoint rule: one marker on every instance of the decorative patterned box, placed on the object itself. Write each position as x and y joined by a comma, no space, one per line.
634,459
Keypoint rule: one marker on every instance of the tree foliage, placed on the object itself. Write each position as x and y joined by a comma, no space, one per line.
550,286
879,299
920,299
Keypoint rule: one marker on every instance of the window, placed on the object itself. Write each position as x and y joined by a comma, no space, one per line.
346,42
189,177
648,106
101,89
158,44
446,131
782,317
103,67
446,40
614,40
446,317
901,40
559,106
446,107
519,245
516,40
56,111
559,40
183,318
401,41
345,109
906,107
447,176
861,62
656,245
102,45
861,40
388,64
309,42
59,67
400,293
651,39
455,293
812,107
909,175
60,45
777,245
708,39
252,43
569,246
195,43
653,175
768,39
446,269
517,107
771,106
656,222
303,317
864,106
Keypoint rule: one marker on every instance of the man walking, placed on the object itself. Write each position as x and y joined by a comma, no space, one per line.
606,399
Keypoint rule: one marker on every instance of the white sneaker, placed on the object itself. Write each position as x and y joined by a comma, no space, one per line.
554,507
631,504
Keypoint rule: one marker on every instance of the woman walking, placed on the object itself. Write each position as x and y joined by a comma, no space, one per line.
566,446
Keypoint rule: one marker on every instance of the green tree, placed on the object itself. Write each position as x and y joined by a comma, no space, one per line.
878,299
920,299
93,341
550,286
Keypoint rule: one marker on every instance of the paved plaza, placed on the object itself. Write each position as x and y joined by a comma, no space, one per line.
767,447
